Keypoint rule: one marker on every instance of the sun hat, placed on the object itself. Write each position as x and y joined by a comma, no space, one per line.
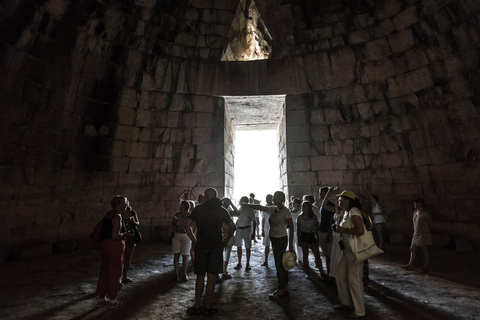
348,194
289,259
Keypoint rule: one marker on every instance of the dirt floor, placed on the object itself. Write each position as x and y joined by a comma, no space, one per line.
62,286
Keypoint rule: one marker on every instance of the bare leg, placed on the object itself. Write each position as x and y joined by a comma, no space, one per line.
176,262
210,288
380,236
249,252
185,264
126,260
199,286
239,255
192,254
413,254
306,265
318,259
267,251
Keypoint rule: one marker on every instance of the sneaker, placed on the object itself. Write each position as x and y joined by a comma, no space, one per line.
226,275
101,302
115,305
265,264
218,278
185,278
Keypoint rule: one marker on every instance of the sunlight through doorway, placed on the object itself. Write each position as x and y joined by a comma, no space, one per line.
256,163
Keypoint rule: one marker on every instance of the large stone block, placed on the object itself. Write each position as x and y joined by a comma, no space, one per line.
390,160
335,147
302,178
462,110
406,18
346,131
140,164
127,133
299,149
340,177
419,79
373,176
378,70
321,163
376,49
298,164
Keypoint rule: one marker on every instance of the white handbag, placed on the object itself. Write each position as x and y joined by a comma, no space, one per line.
364,246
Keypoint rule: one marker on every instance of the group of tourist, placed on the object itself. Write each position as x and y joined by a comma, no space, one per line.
207,232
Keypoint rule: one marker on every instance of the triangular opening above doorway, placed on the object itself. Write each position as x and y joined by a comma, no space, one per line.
249,38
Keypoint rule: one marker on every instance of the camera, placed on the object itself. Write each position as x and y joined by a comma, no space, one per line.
341,244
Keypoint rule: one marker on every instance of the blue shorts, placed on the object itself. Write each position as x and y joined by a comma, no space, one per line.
208,261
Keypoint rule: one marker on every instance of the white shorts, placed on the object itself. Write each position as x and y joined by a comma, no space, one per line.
242,235
181,243
326,247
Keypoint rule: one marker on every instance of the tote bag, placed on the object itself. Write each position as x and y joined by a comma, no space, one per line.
364,246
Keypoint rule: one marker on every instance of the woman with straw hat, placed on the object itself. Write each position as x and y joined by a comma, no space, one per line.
349,269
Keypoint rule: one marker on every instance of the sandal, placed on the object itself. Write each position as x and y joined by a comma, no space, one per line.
238,266
407,267
194,310
265,264
248,268
210,311
126,280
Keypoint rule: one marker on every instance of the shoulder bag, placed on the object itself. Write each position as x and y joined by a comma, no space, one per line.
364,246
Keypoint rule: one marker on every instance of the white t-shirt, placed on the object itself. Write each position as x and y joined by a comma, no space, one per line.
278,226
246,217
348,223
379,218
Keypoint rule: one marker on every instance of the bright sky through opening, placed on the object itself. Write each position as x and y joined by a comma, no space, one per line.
256,164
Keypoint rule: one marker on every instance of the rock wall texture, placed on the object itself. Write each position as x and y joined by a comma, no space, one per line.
124,97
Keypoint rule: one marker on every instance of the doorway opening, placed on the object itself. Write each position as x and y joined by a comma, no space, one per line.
256,164
255,123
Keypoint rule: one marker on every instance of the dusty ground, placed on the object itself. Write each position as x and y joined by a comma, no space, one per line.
62,286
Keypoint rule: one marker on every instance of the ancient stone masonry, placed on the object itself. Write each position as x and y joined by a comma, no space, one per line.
100,98
249,38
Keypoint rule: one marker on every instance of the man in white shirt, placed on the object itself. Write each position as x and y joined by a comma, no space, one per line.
245,232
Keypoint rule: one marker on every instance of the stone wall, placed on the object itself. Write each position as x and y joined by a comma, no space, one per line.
81,122
97,99
229,149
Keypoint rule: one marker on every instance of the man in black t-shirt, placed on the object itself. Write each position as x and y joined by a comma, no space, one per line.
208,244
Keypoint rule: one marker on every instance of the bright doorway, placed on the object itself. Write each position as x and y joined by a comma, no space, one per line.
256,163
